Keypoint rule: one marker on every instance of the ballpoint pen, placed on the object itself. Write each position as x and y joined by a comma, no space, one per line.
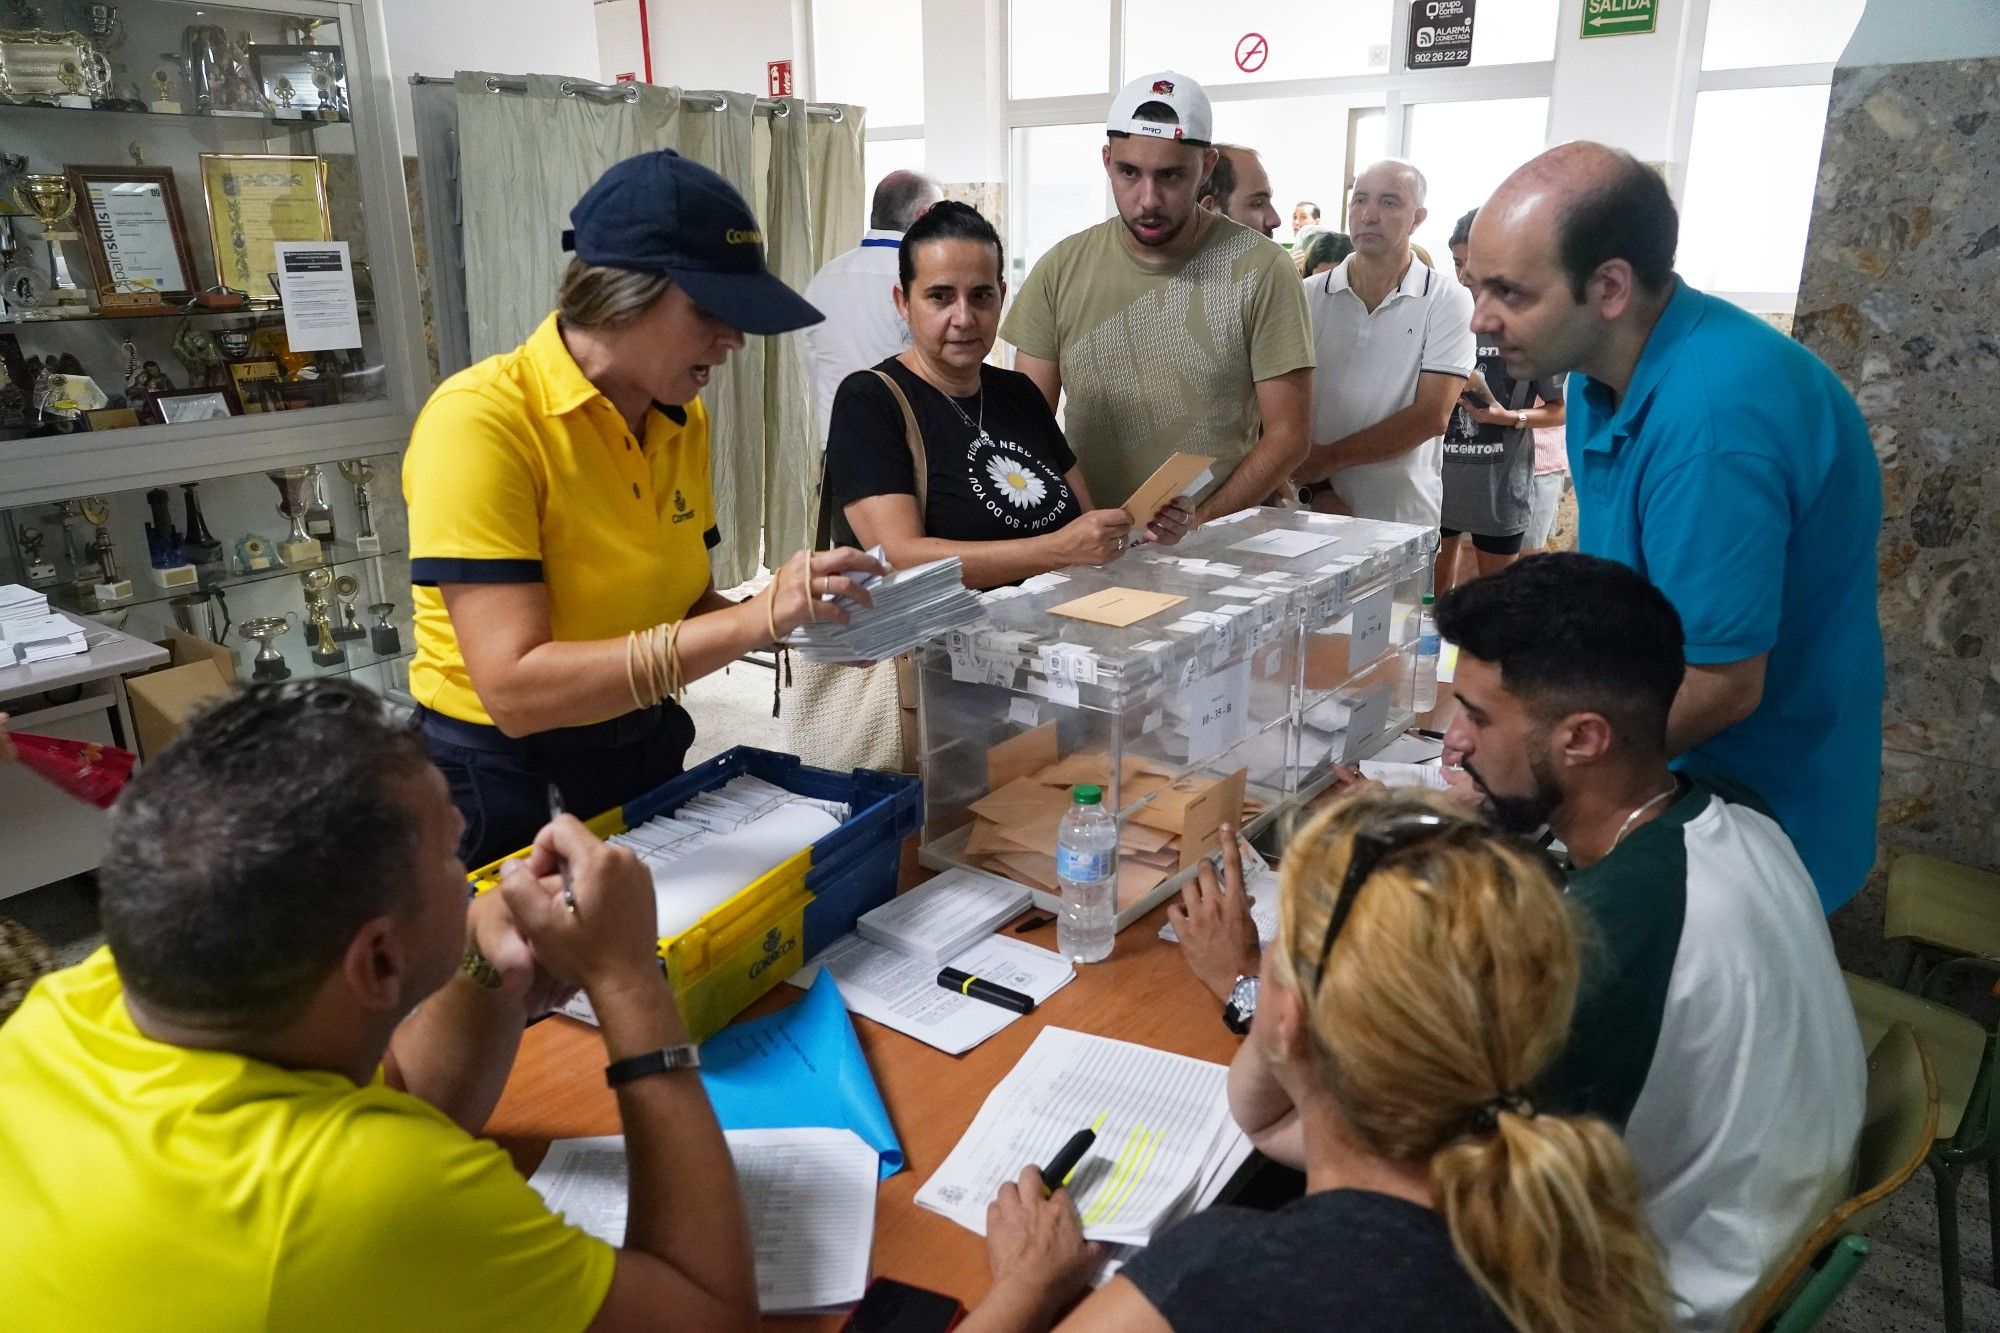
555,812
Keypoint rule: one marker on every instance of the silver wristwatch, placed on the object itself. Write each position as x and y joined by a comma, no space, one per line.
1242,1005
663,1061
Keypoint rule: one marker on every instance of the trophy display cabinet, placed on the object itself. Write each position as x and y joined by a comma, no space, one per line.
210,343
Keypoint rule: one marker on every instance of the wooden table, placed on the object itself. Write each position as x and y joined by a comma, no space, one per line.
1142,993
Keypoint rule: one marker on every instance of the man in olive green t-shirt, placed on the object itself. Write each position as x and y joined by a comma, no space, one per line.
1173,329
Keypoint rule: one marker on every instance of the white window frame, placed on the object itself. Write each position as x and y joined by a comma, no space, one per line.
1397,87
1694,81
805,36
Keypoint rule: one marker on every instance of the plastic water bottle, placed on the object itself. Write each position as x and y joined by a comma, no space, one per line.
1426,696
1087,865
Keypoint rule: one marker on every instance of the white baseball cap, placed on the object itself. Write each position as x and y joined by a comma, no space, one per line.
1184,95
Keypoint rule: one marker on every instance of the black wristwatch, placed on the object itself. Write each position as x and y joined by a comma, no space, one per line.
1242,1005
665,1060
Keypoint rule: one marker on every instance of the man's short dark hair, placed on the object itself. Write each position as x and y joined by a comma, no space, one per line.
1221,182
1631,217
900,197
1326,247
244,858
1461,231
1311,208
1572,633
948,220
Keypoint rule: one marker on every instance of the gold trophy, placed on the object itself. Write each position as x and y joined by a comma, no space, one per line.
165,85
347,589
358,472
50,199
319,618
300,550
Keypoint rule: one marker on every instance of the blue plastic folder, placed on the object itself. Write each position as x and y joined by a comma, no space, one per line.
800,1068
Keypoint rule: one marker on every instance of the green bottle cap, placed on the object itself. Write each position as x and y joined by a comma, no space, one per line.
1087,794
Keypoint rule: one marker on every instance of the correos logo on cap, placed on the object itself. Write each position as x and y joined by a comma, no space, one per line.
741,236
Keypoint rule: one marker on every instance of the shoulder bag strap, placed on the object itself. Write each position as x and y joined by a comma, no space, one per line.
915,438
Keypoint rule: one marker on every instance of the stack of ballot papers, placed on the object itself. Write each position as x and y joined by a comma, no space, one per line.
912,607
719,842
809,1193
1165,1141
1260,885
902,993
943,917
29,632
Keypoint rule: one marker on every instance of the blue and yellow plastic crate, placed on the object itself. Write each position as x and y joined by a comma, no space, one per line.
757,938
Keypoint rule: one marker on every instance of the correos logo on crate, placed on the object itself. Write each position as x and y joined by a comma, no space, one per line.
776,945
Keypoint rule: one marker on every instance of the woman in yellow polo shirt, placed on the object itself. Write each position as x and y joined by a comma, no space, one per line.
560,515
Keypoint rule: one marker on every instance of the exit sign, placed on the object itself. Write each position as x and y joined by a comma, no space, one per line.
1619,18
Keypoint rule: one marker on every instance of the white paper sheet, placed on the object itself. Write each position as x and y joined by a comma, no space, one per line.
1158,1118
1403,775
902,993
809,1194
316,280
946,915
690,887
1284,544
1260,884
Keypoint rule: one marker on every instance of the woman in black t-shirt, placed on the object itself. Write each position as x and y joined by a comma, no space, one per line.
1002,490
1421,980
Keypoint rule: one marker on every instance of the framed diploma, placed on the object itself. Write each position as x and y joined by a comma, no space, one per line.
136,234
255,200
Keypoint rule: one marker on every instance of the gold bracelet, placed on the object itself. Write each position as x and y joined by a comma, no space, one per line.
771,607
479,968
676,682
631,677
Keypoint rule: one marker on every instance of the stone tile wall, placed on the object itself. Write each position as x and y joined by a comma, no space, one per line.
1901,296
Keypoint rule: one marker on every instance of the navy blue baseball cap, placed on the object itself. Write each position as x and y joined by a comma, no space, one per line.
664,213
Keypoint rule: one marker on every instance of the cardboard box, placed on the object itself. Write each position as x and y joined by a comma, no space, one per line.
163,699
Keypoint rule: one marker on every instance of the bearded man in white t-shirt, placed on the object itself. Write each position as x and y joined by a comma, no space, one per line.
1394,346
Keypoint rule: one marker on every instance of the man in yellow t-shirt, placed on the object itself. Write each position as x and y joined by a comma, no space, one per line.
1169,328
254,1108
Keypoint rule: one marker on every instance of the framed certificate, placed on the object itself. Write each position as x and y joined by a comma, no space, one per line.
255,200
135,232
258,385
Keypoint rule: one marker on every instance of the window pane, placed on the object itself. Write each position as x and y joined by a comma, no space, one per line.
1300,41
1303,142
1059,180
871,53
1057,48
1465,149
1513,32
1742,33
1749,196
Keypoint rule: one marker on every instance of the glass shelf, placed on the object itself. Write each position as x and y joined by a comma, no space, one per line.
296,647
224,117
79,314
146,593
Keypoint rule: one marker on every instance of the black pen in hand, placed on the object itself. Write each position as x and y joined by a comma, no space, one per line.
555,813
1063,1163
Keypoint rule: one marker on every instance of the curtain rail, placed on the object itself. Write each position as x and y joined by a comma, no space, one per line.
629,92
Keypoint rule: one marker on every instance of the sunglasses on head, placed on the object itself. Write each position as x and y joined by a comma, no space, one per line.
1365,854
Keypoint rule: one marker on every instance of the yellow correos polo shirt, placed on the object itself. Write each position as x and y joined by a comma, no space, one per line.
520,471
146,1187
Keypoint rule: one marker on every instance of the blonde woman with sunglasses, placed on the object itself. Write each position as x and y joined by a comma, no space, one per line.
1421,981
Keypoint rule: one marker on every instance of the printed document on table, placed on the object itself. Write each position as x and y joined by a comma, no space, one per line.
900,992
1391,774
1158,1118
809,1194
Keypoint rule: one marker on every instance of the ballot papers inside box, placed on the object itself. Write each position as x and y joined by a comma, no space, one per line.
1355,587
1177,703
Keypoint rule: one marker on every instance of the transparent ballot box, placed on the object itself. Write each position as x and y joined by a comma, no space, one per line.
1355,587
1179,702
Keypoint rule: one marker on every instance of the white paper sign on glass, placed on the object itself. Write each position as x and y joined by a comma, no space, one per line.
1370,637
1218,711
1364,723
316,282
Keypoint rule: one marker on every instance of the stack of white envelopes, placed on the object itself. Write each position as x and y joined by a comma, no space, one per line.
912,607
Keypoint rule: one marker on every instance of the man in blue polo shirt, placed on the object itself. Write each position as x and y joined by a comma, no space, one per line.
1727,464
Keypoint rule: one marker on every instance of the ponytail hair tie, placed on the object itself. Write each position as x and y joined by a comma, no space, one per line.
1486,1120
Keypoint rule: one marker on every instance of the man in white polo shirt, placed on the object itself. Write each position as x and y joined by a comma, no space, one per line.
854,292
1394,346
1711,1023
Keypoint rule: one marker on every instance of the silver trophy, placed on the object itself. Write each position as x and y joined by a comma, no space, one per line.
358,472
269,663
382,635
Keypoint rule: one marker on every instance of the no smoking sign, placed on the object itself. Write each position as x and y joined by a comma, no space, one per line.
1251,52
